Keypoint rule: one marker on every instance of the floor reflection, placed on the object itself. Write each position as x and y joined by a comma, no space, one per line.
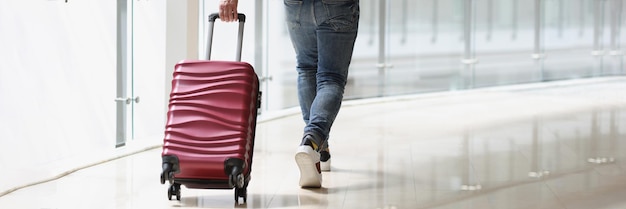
544,158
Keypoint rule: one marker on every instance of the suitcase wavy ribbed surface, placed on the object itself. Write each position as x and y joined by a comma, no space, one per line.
211,123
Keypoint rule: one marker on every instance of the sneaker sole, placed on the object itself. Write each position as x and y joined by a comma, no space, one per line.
309,176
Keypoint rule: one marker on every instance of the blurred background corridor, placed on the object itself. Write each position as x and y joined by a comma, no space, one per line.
456,104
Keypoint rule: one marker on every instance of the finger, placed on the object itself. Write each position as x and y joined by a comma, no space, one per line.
225,14
234,15
228,15
222,14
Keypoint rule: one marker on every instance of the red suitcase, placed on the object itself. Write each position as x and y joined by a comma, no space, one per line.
211,122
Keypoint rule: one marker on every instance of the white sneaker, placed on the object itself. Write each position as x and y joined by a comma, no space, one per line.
325,160
308,161
325,166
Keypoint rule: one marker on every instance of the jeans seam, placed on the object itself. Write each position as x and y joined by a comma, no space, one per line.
333,23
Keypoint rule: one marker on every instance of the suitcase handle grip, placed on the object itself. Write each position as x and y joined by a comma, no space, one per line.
240,16
209,44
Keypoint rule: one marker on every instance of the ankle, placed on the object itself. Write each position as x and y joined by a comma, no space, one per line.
310,140
324,155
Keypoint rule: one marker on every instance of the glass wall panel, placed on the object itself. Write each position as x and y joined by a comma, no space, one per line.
614,55
503,38
280,60
424,46
364,76
407,46
621,34
568,38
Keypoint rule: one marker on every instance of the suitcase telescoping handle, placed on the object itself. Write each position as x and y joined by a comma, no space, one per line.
212,18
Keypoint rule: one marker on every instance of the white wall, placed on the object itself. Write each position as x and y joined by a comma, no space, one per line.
58,83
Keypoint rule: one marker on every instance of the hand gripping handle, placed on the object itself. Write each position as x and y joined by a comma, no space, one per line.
241,17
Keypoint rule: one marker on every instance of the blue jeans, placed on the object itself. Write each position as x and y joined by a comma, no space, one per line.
323,33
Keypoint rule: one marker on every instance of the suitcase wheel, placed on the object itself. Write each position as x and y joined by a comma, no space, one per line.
168,173
241,192
173,190
236,180
167,176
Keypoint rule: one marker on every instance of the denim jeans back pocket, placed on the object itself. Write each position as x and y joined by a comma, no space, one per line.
343,15
292,12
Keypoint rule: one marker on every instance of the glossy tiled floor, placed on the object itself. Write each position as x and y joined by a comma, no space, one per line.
556,145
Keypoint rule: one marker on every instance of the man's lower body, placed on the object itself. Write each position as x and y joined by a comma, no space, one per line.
323,33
